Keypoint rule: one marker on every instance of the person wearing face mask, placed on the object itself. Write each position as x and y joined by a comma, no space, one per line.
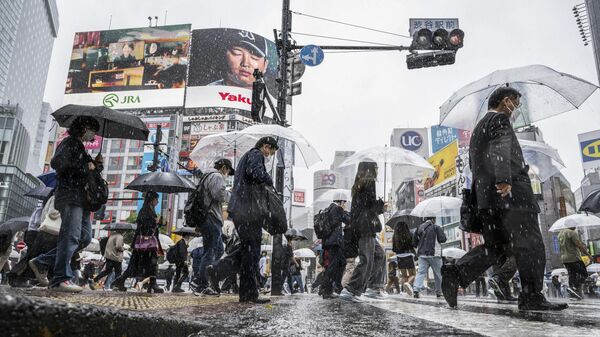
507,208
72,164
250,172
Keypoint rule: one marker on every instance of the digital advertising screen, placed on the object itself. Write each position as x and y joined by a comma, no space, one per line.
129,68
222,65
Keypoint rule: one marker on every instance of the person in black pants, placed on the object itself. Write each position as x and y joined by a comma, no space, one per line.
169,274
250,175
333,245
181,265
507,208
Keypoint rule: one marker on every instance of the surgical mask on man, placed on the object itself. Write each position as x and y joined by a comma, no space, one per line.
88,136
515,112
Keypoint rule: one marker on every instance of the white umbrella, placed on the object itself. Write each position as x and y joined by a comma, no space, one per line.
543,159
575,220
559,271
593,268
266,248
455,253
438,206
230,145
304,252
165,241
94,246
546,92
307,151
328,197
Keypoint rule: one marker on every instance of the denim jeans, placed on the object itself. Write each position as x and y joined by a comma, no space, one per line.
75,234
213,248
435,262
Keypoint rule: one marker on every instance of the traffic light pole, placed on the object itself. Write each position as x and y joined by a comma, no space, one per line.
279,264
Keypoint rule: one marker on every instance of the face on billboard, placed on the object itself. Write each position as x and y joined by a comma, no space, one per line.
222,65
135,60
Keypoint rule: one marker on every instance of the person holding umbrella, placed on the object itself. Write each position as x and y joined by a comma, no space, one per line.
505,206
570,248
72,164
250,173
333,246
144,259
366,208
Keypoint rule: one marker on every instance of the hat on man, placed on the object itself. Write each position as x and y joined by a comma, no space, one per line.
225,162
256,44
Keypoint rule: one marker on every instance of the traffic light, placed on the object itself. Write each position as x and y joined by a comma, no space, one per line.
295,70
440,39
430,59
258,100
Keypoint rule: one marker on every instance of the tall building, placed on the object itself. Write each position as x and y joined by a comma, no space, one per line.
36,162
14,152
27,33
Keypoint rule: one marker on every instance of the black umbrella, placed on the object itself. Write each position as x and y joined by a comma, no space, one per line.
16,224
185,230
591,203
401,216
41,192
113,124
120,226
293,234
164,182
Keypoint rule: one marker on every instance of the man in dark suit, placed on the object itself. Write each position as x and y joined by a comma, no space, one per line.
506,207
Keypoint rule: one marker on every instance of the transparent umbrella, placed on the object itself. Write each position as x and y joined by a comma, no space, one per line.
438,207
412,166
165,241
231,145
455,253
304,253
543,159
575,220
546,92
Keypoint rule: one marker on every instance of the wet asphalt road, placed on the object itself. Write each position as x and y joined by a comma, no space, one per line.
41,313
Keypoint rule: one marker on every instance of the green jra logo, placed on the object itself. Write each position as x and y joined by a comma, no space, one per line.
111,100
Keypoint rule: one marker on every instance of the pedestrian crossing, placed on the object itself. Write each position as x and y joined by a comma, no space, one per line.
489,318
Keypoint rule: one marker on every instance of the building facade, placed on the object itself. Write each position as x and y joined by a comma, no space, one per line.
27,33
593,11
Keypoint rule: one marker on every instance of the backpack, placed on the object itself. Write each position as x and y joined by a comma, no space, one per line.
103,243
195,211
322,224
96,191
172,254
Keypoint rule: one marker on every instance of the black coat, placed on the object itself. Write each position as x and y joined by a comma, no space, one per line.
495,157
337,216
182,251
366,209
71,164
425,237
250,172
146,221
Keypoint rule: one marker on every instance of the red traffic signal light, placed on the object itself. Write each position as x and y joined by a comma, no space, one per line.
456,39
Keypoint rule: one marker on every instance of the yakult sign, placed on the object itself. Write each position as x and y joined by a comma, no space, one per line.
416,140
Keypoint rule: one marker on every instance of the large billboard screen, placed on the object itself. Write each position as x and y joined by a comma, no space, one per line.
222,64
129,68
444,163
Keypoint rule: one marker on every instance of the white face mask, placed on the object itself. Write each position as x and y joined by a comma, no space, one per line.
88,136
515,112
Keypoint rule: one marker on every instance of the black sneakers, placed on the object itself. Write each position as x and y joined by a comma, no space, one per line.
540,303
450,283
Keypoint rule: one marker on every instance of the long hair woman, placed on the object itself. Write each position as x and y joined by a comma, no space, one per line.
403,247
366,208
146,247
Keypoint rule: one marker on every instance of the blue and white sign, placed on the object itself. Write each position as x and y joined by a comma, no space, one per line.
411,140
442,136
311,55
589,143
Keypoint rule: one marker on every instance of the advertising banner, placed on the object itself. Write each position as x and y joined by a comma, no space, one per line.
411,139
222,64
196,128
93,145
129,68
299,197
442,136
589,144
444,163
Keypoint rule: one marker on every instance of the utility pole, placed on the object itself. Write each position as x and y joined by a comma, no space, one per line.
283,44
156,146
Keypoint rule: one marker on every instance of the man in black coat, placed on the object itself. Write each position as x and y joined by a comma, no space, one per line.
249,174
181,265
506,207
333,246
73,165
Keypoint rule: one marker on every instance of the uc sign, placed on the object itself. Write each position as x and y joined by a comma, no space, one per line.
590,150
411,140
